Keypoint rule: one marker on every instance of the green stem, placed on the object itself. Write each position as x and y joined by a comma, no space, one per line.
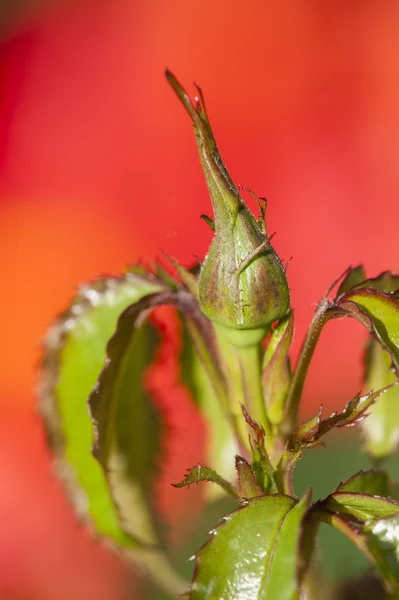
235,393
305,356
250,360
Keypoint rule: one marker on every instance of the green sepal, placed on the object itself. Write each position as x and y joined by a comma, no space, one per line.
276,376
253,553
210,222
201,373
247,484
260,465
188,277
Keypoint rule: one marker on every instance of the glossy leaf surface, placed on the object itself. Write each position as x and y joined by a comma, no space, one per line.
383,542
253,553
381,428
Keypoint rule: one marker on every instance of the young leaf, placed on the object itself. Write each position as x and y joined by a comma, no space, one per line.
371,482
203,473
309,434
387,282
253,553
74,354
383,543
354,411
351,280
360,507
381,428
261,465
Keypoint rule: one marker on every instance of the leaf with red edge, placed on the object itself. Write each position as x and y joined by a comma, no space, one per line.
352,279
360,507
379,312
75,352
387,282
247,484
253,554
354,412
203,473
375,482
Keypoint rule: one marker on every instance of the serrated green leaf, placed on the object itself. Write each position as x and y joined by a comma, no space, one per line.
387,281
383,543
352,279
74,354
381,428
126,423
253,553
203,473
308,434
361,507
371,482
354,411
276,376
379,312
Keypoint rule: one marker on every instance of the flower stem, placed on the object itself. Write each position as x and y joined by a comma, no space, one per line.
250,361
305,356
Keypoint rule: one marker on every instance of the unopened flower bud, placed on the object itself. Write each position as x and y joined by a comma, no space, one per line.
242,285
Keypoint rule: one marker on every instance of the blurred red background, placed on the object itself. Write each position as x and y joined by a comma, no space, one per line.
98,168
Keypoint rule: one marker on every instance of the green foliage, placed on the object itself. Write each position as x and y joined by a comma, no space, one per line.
75,352
237,328
381,429
383,542
252,552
